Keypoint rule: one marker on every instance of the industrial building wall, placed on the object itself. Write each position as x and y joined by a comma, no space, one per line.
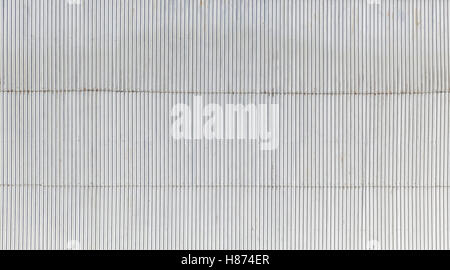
87,91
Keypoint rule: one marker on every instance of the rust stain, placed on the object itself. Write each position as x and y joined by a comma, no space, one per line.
417,17
341,159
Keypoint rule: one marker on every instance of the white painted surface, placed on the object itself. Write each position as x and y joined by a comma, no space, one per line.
227,46
86,159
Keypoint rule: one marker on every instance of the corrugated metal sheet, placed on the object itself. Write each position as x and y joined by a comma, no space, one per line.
226,46
87,160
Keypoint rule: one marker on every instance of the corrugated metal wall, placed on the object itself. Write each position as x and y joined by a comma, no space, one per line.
87,160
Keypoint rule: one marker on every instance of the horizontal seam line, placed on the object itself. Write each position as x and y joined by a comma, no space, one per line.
231,92
208,186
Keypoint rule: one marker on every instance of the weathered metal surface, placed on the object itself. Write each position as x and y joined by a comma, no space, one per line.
87,159
226,46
